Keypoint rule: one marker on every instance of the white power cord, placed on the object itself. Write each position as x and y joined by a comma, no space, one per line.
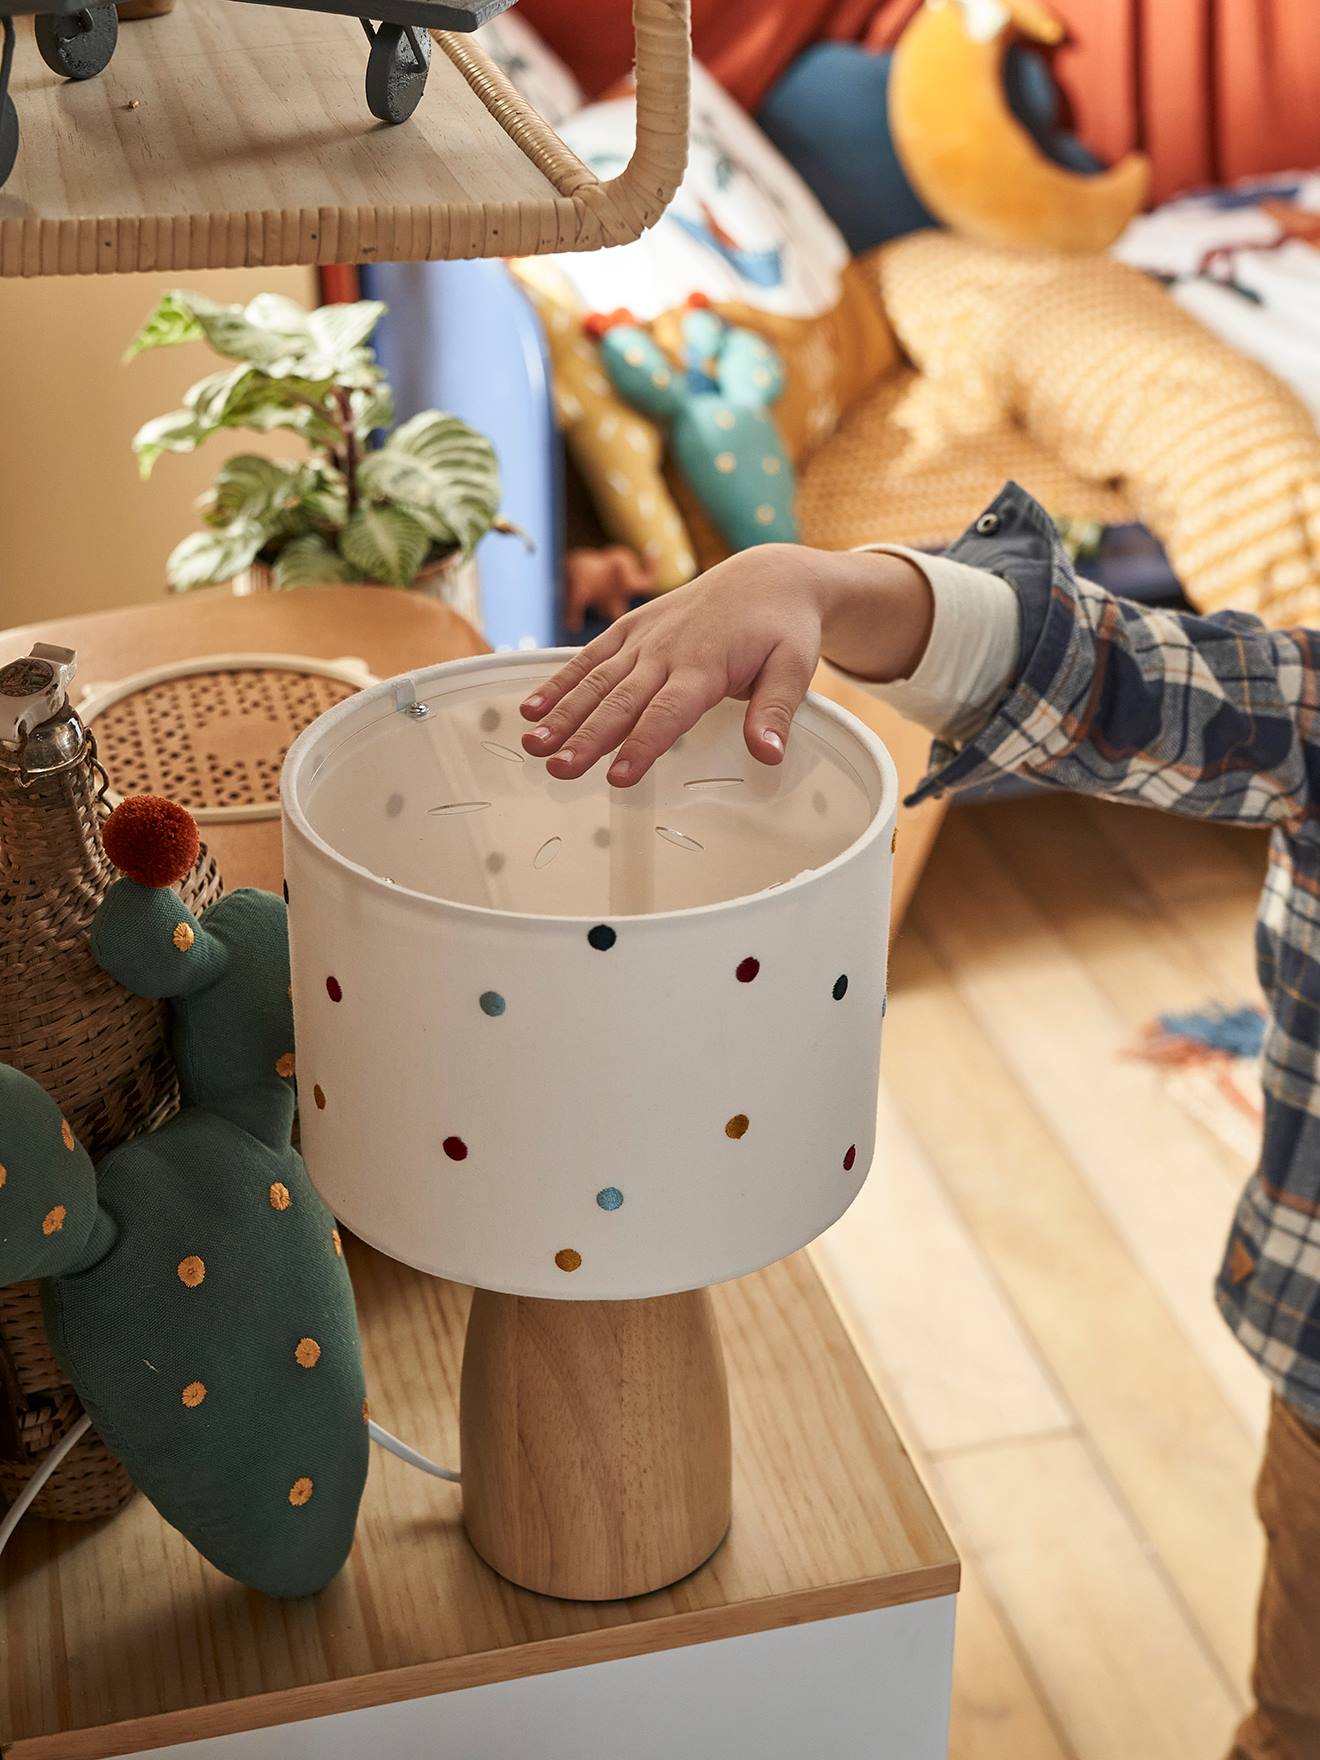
32,1490
383,1439
65,1446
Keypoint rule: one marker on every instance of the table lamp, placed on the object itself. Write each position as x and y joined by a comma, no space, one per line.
590,1051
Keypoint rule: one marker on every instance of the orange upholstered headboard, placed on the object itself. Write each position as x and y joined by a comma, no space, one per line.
1211,89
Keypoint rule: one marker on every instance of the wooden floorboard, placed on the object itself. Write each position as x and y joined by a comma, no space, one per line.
1029,1275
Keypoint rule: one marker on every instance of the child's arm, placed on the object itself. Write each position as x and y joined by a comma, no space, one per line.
1211,716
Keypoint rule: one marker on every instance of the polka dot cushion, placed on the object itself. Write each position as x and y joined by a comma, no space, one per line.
197,1295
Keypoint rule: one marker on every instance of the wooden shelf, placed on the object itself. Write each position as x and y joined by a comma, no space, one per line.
227,135
119,1638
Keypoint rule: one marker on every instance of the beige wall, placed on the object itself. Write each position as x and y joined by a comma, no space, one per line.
78,530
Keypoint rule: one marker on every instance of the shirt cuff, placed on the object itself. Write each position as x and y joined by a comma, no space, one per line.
972,655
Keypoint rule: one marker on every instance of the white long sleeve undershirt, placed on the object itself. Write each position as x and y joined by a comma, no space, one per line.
972,653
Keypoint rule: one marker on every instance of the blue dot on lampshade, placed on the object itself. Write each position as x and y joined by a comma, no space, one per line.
602,937
492,1003
610,1198
841,987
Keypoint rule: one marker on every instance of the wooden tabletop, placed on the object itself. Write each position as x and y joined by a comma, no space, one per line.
118,1637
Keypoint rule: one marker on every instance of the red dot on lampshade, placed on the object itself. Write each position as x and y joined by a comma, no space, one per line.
455,1148
850,1159
334,990
747,970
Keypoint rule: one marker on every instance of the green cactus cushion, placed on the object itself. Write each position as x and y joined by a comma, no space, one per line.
196,1292
717,409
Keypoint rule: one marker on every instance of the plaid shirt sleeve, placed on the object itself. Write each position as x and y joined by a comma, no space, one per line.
1210,716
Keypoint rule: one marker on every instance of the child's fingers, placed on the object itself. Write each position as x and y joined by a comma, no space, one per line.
571,711
776,697
607,725
546,695
679,704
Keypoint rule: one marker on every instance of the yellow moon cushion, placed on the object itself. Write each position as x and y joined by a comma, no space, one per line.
967,156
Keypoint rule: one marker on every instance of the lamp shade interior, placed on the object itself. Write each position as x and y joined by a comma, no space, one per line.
449,805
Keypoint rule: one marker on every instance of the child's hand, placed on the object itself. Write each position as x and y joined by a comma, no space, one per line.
752,628
606,581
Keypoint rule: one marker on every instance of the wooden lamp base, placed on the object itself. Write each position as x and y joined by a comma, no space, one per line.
595,1435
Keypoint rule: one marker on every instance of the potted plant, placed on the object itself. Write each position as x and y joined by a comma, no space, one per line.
407,513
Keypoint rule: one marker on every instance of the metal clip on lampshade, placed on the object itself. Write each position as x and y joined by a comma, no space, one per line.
585,1048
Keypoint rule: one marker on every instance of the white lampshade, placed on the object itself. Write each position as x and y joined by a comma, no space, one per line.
559,1039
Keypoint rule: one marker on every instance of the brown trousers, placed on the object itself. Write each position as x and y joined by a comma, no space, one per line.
1286,1679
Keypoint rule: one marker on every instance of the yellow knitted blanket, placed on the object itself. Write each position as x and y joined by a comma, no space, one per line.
1105,373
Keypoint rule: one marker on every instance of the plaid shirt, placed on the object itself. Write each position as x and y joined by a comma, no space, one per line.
1217,717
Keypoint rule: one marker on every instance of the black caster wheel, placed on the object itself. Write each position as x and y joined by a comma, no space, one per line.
8,136
396,71
77,44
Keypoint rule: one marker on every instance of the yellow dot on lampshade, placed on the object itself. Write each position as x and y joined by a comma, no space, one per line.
724,419
193,1395
191,1271
53,1221
893,842
770,465
568,1258
284,1066
183,936
279,1196
726,462
300,1492
336,1243
765,514
307,1353
318,1094
737,1126
66,1132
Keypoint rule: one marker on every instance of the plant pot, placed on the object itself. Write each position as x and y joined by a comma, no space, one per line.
451,579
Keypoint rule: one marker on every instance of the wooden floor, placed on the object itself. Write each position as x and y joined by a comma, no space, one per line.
1029,1275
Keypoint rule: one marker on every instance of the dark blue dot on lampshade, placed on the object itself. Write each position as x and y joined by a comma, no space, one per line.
850,1159
492,1003
884,1007
394,806
840,986
746,969
285,889
610,1198
602,937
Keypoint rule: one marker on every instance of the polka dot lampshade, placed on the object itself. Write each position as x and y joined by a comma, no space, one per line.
565,1040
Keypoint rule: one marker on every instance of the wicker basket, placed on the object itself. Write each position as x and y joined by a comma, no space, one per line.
101,1052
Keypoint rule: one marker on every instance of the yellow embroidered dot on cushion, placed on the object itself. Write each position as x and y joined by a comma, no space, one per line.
336,1243
193,1395
725,462
764,514
307,1353
279,1196
183,936
284,1066
300,1492
191,1271
4,1174
66,1132
53,1221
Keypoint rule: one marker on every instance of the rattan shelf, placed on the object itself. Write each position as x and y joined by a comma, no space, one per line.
225,136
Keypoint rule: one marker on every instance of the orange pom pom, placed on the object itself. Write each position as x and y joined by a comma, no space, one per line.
595,324
699,302
151,840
